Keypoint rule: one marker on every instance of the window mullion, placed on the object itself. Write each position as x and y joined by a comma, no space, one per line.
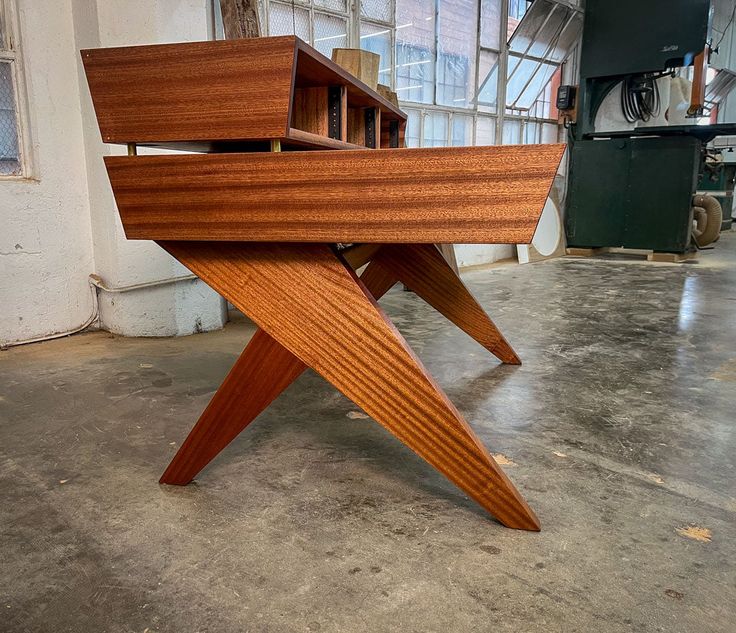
436,49
503,63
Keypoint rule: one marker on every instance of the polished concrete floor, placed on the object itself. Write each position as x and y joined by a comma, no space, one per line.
620,430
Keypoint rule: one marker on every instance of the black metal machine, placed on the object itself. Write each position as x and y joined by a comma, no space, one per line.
634,188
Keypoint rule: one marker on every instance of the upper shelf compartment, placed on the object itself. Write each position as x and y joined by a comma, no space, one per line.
235,95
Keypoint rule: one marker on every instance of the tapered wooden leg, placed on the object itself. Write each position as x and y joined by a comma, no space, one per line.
378,280
261,373
305,297
423,269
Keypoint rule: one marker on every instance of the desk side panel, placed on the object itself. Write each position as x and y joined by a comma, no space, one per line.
197,91
429,195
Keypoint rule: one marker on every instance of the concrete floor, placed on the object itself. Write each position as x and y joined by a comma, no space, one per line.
620,430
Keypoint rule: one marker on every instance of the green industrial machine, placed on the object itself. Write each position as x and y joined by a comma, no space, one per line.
634,188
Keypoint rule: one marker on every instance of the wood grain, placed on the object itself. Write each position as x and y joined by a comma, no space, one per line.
307,299
225,90
423,269
310,110
261,373
429,195
360,63
315,141
240,18
379,278
356,126
314,69
196,94
448,253
359,255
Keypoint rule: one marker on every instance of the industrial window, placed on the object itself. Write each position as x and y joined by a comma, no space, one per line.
462,130
457,40
415,51
447,59
432,126
517,10
377,21
322,23
453,75
11,154
414,73
376,38
329,24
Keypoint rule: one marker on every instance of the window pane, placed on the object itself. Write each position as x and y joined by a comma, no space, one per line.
542,106
517,9
376,10
412,137
550,133
281,21
377,39
527,78
485,131
531,133
462,130
488,81
457,52
261,18
549,29
334,5
435,129
490,24
415,51
9,155
329,32
511,132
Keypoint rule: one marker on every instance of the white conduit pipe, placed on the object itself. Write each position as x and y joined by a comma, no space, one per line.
95,282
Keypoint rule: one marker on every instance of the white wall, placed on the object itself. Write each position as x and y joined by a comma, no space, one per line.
179,308
479,254
63,226
45,241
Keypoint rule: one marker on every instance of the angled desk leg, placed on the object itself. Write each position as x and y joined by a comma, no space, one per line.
423,269
261,373
311,302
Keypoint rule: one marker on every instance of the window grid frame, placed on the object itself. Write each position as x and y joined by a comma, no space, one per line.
354,21
9,53
308,5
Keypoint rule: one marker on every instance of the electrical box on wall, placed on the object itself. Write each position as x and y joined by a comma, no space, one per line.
566,97
567,104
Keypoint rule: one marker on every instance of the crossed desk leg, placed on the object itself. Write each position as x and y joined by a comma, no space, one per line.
312,310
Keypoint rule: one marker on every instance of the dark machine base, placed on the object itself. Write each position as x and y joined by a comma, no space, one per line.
633,193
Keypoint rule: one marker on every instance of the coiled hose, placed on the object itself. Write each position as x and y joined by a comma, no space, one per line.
640,98
708,216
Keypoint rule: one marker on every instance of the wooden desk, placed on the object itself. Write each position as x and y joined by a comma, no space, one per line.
262,229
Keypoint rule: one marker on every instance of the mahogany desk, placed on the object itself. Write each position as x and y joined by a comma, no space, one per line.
262,229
